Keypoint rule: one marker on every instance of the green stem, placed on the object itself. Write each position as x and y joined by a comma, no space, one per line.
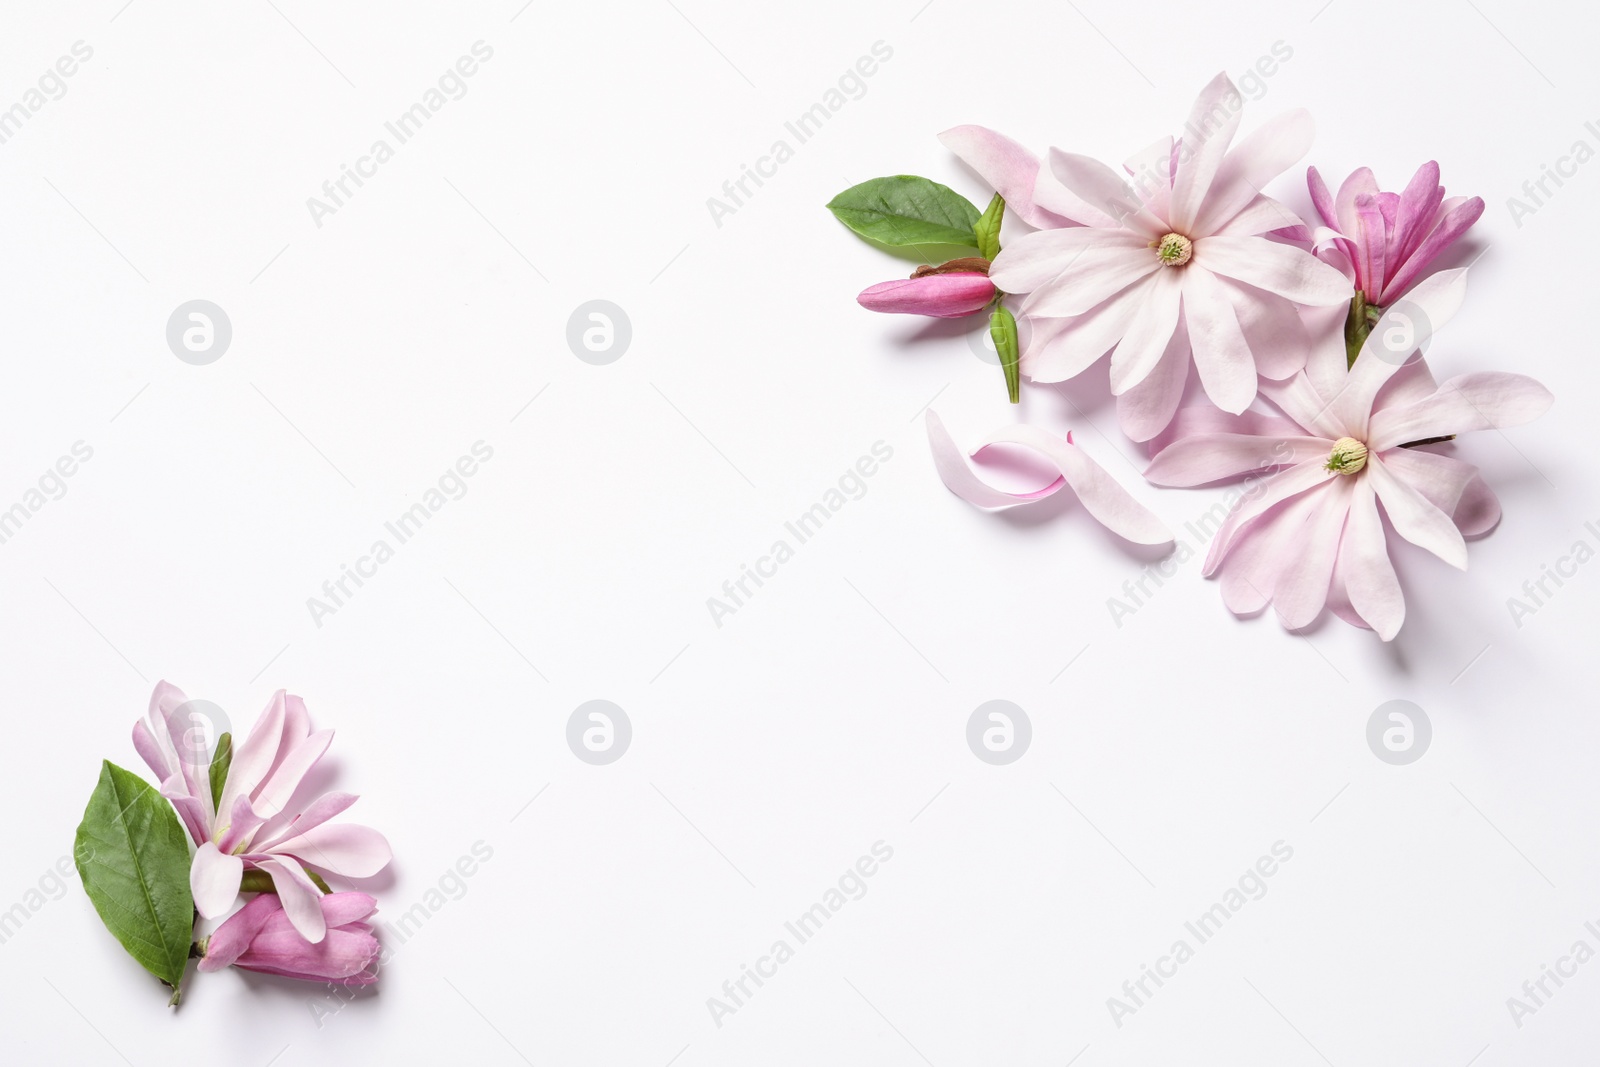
1358,325
1003,330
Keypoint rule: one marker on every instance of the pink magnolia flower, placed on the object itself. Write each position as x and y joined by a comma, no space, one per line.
940,292
1390,238
260,937
255,823
1313,536
1101,495
1177,265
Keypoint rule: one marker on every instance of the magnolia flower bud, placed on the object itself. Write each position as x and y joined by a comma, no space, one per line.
948,291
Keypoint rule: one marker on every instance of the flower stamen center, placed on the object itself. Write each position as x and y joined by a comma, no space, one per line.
1174,250
1348,456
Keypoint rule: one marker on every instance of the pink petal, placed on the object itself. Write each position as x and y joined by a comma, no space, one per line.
1261,216
1456,223
1283,269
1440,479
298,893
1272,328
1151,171
214,878
233,937
1260,553
345,849
1084,339
1301,401
1145,409
1010,169
1100,187
1035,260
243,822
1212,123
285,825
1321,199
1086,281
1302,589
1414,518
1146,339
1482,401
1222,356
1401,330
1203,418
1213,457
1369,578
1101,495
1290,482
254,759
1418,203
1272,148
1478,511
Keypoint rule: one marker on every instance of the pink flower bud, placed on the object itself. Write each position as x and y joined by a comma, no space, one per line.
943,296
260,937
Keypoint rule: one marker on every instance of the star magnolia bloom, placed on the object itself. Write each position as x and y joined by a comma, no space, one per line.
1101,495
260,937
1310,535
1176,264
1390,238
253,824
942,294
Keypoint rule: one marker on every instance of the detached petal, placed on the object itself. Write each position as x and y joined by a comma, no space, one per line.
1101,495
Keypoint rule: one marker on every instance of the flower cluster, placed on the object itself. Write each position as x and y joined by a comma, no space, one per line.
1303,343
255,832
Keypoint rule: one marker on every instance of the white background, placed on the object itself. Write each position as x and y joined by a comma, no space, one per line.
829,712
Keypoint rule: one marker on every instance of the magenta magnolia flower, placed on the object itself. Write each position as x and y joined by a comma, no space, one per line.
1390,238
1312,536
255,822
261,937
1178,263
940,292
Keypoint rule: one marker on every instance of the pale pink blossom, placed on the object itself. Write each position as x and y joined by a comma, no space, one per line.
260,937
257,822
1176,268
1313,535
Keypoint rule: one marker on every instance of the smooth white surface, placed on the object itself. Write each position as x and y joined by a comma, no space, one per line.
829,713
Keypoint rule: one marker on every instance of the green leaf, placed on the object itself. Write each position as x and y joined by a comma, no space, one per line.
1003,329
220,762
904,210
987,228
134,861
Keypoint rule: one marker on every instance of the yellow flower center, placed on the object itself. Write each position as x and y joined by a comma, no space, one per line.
1174,249
1348,456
